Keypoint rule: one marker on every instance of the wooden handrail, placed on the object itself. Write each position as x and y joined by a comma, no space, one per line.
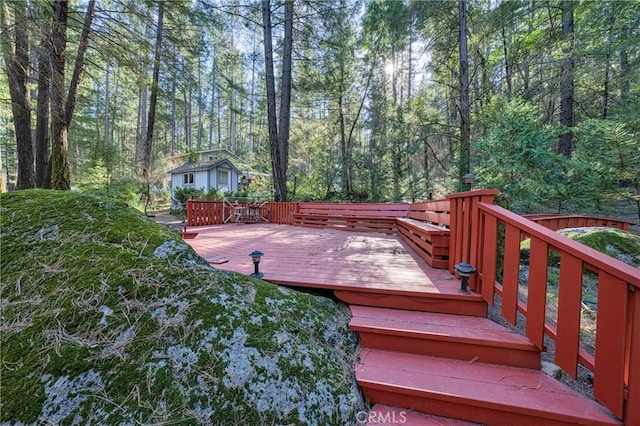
589,255
616,381
555,222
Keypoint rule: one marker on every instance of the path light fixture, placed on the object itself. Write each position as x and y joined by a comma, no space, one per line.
184,226
255,256
465,270
469,179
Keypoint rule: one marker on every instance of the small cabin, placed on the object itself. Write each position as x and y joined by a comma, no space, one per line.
218,174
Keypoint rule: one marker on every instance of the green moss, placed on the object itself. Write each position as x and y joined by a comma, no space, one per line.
619,244
91,288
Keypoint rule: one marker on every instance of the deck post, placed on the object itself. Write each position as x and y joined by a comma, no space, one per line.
465,244
189,213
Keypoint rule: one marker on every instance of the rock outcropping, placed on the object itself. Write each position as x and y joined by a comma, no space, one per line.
109,318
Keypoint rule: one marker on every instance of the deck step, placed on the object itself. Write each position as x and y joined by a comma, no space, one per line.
448,303
382,415
485,393
463,337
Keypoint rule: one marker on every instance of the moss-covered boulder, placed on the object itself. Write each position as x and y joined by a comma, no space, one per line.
619,244
109,318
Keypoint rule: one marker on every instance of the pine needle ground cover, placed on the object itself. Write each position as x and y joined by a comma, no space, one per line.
110,318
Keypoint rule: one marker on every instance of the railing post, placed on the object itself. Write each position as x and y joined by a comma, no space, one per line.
465,243
189,213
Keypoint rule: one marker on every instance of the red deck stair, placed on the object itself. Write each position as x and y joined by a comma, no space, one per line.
445,301
473,339
382,415
486,393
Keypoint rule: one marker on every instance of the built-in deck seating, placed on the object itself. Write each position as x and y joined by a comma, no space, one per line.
423,226
351,217
426,231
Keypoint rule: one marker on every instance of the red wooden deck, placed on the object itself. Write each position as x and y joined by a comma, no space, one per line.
322,258
444,361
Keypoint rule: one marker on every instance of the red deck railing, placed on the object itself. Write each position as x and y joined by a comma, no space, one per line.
201,212
616,362
555,222
282,213
204,212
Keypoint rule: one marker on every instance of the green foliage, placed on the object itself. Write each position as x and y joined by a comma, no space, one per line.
517,156
193,156
184,193
607,159
214,195
126,192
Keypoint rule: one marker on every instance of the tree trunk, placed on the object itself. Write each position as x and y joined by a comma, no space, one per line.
16,58
507,64
186,95
232,120
60,174
464,160
174,121
252,100
271,99
625,71
200,109
105,142
213,100
146,158
141,130
79,64
285,97
565,146
62,106
2,182
43,106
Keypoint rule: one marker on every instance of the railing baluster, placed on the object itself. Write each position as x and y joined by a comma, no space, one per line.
632,363
490,241
569,308
610,342
537,291
511,273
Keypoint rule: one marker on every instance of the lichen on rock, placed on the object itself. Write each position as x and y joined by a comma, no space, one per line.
109,318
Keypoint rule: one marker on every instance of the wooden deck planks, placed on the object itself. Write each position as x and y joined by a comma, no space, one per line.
438,326
323,258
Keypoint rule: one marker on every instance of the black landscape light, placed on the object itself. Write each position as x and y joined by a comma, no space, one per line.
255,256
184,226
465,270
469,179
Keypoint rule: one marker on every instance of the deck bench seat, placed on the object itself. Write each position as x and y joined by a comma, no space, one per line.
351,217
430,242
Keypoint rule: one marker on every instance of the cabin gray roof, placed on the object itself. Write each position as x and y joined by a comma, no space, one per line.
203,165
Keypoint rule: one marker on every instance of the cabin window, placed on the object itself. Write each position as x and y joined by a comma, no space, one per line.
223,178
187,179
